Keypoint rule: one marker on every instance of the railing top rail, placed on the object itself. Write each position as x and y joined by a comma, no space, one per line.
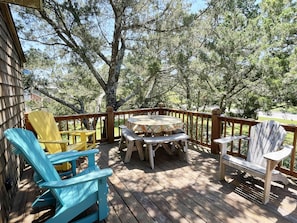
291,128
186,111
135,111
79,116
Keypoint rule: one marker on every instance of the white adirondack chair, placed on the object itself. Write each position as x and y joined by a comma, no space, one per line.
265,151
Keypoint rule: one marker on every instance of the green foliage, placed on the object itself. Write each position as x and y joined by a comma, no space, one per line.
278,46
234,54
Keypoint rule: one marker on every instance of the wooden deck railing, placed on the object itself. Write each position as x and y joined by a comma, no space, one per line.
202,128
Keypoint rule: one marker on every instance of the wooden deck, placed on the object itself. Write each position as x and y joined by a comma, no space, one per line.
175,192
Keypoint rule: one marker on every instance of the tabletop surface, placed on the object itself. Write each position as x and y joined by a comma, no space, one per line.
154,123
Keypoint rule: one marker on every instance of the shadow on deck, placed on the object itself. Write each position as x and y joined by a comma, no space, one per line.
175,191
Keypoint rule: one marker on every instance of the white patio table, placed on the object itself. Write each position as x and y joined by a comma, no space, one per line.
154,124
155,127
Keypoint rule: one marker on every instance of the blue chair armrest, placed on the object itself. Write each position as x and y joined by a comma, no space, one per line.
92,176
71,155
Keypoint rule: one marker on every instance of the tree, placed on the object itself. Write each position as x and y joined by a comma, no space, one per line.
235,54
98,33
279,52
164,71
70,86
185,50
231,52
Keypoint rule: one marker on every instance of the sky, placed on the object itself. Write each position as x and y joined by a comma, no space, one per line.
198,4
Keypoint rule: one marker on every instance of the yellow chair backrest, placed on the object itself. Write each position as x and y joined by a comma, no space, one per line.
46,127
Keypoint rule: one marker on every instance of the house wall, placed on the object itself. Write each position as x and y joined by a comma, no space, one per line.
11,108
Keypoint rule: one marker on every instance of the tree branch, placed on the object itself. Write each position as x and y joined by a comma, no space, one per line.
72,106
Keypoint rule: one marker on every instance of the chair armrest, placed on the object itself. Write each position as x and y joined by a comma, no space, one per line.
79,132
54,141
229,139
54,155
280,154
95,175
71,155
64,132
225,140
88,132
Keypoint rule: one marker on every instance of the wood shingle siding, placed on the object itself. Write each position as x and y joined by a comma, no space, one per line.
11,108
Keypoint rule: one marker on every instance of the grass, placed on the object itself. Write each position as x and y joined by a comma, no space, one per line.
283,121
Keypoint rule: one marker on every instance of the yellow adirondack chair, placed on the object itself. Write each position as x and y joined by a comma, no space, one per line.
48,133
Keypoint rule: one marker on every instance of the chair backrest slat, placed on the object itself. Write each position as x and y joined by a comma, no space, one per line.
27,145
265,137
46,127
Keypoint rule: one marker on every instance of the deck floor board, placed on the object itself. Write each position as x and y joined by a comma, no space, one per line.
175,191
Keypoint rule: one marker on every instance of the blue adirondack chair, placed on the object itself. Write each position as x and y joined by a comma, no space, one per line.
72,196
47,198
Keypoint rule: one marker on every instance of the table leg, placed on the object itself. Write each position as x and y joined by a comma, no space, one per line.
130,149
140,149
151,155
167,148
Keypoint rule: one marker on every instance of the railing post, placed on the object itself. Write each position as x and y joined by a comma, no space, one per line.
161,106
28,125
215,130
110,124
